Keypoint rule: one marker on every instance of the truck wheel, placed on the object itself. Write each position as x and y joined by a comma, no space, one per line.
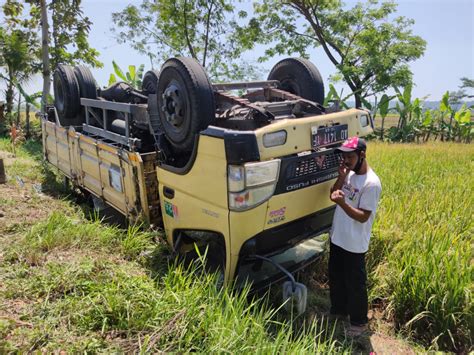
185,101
150,82
300,77
86,81
66,92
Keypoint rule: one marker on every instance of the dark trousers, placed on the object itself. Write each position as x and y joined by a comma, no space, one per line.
348,284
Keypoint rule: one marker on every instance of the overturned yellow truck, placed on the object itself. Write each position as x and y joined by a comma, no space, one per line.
240,169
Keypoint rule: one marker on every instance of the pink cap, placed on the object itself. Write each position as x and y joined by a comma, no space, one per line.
352,144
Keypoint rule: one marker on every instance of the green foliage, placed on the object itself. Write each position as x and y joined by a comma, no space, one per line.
60,231
383,108
181,310
95,291
132,77
369,46
17,59
333,96
415,123
20,49
467,83
194,28
69,36
423,240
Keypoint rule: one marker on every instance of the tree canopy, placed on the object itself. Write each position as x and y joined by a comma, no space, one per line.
69,35
20,48
369,46
201,29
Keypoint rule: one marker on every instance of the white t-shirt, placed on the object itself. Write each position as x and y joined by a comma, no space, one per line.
363,192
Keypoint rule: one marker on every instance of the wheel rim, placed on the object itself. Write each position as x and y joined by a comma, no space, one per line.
173,105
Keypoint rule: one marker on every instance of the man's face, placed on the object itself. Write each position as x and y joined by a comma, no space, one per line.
350,159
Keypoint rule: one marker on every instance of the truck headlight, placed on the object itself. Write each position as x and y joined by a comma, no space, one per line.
274,139
236,178
252,183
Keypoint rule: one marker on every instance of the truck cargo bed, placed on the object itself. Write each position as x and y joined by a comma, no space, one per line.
125,180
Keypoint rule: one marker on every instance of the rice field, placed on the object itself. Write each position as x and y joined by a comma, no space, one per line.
421,253
69,282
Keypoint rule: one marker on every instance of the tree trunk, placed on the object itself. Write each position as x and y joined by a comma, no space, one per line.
2,116
45,56
27,121
3,176
18,110
381,129
9,100
358,101
450,127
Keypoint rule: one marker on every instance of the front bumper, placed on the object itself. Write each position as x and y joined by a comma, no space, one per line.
293,245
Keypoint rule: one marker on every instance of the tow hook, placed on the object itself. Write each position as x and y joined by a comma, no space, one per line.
293,292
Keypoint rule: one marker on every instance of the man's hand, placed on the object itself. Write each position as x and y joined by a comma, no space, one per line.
358,214
343,170
337,196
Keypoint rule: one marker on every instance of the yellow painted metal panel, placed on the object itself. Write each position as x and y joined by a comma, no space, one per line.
299,131
91,164
207,180
293,205
243,226
200,196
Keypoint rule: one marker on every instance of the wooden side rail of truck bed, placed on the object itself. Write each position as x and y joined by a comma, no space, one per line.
125,180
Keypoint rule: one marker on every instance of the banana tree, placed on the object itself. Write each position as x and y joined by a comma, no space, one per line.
410,112
445,109
427,124
133,76
464,125
334,97
383,108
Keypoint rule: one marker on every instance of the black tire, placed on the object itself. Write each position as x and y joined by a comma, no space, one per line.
300,77
150,82
185,102
86,81
66,92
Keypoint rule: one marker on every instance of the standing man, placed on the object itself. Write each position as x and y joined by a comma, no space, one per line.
356,193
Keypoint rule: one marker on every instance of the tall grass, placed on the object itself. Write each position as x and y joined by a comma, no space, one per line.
421,255
64,232
92,287
95,281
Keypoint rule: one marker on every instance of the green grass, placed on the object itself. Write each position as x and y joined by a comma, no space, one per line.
74,283
104,289
77,284
421,251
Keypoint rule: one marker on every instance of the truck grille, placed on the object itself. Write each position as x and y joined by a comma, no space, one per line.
298,172
313,164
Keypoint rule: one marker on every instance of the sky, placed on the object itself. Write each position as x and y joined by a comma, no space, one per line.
446,25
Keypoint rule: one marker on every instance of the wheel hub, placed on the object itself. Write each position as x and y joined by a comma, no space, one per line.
173,106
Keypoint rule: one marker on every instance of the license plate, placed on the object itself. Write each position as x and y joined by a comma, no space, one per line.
321,137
